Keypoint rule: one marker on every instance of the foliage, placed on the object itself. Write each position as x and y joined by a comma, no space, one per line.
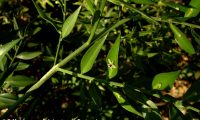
99,59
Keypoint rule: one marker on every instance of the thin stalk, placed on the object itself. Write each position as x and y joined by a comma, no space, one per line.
90,78
57,50
64,9
16,27
176,22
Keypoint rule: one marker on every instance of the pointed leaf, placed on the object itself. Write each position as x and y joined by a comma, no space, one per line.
175,113
28,55
45,17
152,114
143,1
20,81
90,56
6,47
112,59
3,63
138,97
182,40
90,6
95,94
7,100
164,80
69,23
196,36
193,93
125,104
22,66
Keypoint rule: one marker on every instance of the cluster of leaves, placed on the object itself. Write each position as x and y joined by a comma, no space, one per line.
100,59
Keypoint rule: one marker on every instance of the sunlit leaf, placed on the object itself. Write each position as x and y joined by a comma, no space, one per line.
164,80
182,40
69,23
90,56
20,81
125,104
112,58
90,6
6,47
28,55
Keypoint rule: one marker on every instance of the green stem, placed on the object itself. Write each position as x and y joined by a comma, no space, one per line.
57,50
176,22
111,83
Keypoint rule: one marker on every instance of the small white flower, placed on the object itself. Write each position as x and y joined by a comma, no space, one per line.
110,64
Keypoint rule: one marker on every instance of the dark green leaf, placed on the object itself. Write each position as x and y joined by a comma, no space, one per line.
196,36
95,94
28,55
152,115
45,17
175,113
125,104
70,23
90,56
193,94
138,97
164,80
20,81
7,100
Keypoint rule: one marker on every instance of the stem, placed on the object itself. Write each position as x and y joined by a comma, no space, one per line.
176,22
111,83
57,50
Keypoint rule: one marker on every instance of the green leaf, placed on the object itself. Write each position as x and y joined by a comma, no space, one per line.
95,94
45,17
138,97
6,47
152,115
191,12
69,23
7,100
90,56
176,6
7,73
193,93
143,1
195,4
196,36
28,55
112,59
164,80
175,113
182,40
125,104
90,6
20,81
22,66
3,63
